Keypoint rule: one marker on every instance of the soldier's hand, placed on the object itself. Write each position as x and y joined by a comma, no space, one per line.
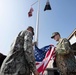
34,43
36,73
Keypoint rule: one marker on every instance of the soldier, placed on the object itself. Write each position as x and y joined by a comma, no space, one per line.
20,60
65,59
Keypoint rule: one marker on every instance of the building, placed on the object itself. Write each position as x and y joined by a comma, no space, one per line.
72,39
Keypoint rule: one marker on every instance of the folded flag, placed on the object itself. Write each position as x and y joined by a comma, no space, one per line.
43,56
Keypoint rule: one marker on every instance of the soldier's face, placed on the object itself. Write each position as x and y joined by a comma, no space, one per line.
31,31
56,37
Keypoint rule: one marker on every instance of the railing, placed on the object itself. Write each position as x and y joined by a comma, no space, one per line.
52,71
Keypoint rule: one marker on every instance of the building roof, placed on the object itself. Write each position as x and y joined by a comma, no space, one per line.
72,34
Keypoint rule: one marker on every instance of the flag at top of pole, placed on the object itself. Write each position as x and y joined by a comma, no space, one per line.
47,7
30,12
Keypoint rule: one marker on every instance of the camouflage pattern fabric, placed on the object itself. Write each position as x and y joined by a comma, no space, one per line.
65,59
20,60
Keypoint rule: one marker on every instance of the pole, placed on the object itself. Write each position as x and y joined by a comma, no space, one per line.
37,23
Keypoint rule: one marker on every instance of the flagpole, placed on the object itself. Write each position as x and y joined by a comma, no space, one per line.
37,23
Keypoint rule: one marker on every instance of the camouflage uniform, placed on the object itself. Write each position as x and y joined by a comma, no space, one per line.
65,59
20,60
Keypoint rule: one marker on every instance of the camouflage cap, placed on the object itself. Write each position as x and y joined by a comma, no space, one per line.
53,34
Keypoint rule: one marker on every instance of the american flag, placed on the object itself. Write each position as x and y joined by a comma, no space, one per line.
43,56
30,12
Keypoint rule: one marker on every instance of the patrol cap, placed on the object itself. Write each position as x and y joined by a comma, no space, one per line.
55,33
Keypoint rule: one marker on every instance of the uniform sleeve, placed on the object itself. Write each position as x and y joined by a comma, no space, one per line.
29,55
65,47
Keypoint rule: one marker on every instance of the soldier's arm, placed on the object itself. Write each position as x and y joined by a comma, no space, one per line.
29,51
65,48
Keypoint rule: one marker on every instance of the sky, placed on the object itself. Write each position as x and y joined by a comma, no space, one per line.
14,18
